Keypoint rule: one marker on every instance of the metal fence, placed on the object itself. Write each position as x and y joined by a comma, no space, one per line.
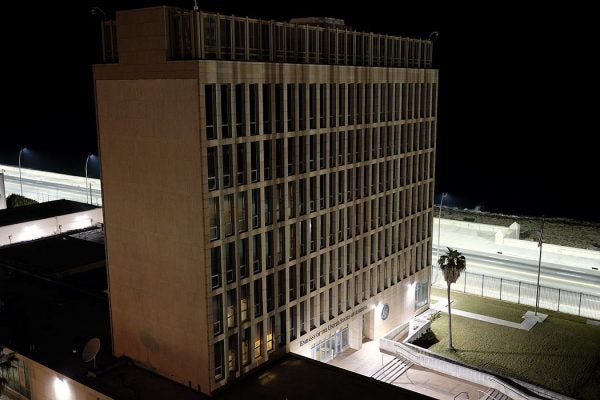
566,301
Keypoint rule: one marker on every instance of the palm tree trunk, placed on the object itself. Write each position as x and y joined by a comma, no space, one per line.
449,321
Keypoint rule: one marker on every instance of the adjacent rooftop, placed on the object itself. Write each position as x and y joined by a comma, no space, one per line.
49,318
33,212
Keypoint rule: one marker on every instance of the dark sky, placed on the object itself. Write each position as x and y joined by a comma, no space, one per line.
515,132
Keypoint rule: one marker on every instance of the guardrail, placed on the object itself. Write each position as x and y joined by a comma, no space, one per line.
437,363
565,301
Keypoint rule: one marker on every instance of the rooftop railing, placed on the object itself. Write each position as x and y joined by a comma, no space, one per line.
200,35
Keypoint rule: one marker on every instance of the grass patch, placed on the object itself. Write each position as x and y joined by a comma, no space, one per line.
561,354
496,308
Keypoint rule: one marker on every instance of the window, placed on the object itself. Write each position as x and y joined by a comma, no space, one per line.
254,162
258,307
270,329
267,159
213,168
302,106
217,315
301,155
332,104
342,104
241,164
312,108
219,361
230,262
255,208
292,283
291,156
253,92
240,101
243,257
213,207
291,107
256,250
258,343
228,216
266,108
322,104
246,346
232,353
225,112
209,110
242,209
231,309
279,108
215,262
312,153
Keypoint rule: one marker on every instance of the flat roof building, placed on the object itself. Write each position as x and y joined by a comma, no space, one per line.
267,188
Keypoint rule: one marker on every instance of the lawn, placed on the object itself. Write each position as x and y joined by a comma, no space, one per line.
561,354
495,308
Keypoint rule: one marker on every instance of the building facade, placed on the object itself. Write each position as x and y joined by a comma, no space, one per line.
268,187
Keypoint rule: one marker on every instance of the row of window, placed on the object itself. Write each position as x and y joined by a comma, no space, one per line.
238,259
278,158
379,199
291,107
311,303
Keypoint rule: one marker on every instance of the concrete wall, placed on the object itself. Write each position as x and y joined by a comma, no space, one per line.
154,224
47,384
31,230
552,248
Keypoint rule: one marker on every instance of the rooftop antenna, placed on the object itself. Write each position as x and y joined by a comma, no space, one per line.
90,351
195,5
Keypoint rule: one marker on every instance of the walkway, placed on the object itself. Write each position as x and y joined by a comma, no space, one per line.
368,360
529,319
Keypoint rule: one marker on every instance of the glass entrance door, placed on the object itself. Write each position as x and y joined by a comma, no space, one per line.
327,349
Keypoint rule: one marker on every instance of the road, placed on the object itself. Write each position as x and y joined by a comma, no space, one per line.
46,186
517,269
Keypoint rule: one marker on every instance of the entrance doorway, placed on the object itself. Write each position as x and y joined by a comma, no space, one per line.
332,346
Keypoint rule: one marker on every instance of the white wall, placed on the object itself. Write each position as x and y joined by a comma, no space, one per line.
49,226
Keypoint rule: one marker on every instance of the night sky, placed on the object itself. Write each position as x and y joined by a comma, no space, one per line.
514,135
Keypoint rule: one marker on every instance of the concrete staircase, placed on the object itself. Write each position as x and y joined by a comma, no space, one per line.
493,394
392,370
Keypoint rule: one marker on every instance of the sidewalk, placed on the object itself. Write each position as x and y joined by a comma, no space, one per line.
369,360
529,320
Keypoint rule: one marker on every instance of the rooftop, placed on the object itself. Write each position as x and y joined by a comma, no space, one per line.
49,209
49,320
160,34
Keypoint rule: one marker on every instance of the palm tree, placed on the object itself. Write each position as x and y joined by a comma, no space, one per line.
452,263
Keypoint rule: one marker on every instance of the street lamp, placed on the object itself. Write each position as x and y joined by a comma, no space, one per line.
86,180
540,243
20,179
440,223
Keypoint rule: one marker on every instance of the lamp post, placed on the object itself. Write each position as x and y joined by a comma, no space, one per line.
540,242
20,178
86,180
440,224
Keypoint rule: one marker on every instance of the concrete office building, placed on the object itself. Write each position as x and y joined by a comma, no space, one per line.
268,187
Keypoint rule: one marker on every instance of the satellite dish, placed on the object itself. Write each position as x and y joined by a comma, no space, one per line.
90,350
